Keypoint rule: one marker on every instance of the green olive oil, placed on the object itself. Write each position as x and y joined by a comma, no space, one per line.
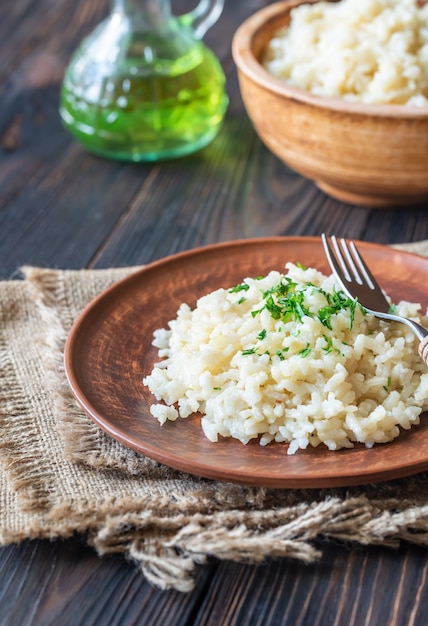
148,113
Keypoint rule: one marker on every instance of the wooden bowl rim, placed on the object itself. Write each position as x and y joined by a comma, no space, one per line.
248,64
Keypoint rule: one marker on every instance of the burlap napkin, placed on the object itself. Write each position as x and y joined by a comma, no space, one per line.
61,474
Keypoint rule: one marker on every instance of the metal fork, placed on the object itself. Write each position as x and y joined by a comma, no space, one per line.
358,282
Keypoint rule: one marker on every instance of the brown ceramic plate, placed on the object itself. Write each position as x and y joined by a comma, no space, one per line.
109,351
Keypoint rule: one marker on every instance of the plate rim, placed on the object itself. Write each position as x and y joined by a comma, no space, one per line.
175,461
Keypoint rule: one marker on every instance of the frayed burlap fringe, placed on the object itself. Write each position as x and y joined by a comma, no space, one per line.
253,536
83,441
62,475
19,448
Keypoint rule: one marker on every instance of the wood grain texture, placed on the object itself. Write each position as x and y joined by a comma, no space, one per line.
61,207
50,584
347,587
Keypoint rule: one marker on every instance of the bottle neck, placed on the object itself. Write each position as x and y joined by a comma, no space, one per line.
152,12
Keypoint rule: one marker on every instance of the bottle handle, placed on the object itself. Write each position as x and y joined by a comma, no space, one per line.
203,16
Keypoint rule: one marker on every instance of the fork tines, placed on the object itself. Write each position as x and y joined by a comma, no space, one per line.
347,263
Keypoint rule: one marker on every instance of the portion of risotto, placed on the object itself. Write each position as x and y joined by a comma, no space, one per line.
289,357
361,50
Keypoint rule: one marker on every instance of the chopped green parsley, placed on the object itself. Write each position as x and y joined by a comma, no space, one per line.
306,351
249,351
286,301
240,287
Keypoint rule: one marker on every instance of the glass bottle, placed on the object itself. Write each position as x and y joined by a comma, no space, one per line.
143,86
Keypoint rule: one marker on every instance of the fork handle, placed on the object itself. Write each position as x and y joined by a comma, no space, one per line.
423,349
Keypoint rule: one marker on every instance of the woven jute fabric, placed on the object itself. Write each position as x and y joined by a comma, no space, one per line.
61,474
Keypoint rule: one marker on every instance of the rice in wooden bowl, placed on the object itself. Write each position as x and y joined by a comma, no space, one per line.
342,98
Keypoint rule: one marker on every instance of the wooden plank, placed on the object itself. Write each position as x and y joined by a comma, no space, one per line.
57,583
67,583
347,586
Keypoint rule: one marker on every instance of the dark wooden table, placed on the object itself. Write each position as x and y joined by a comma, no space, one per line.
62,207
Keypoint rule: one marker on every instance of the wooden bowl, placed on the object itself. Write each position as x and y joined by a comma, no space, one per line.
365,154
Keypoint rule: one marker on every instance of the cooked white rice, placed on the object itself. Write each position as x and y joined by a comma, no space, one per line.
362,50
329,373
